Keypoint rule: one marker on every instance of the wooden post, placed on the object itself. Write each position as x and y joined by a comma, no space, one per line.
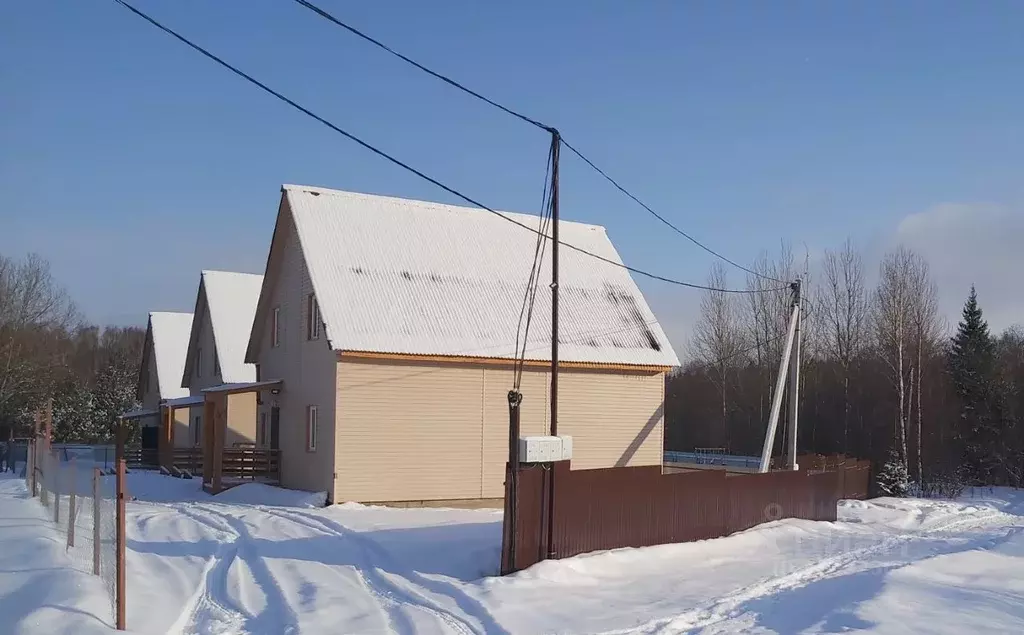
71,506
121,469
44,461
30,467
56,492
96,521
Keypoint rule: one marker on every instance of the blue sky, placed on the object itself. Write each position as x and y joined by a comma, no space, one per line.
131,162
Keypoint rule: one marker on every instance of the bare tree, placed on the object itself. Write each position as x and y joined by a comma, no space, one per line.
717,338
927,329
893,321
35,313
843,310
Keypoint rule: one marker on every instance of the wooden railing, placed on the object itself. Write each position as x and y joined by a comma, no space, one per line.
190,459
139,457
251,463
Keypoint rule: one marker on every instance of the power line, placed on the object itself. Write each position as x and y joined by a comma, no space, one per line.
665,220
327,16
351,29
408,167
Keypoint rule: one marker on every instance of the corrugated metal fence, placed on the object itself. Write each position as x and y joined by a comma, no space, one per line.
641,506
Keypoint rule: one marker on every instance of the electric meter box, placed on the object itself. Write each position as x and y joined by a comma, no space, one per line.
544,449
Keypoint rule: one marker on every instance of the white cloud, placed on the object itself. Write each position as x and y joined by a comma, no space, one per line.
972,243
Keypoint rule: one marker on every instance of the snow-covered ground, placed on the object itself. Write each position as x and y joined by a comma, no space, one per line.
230,564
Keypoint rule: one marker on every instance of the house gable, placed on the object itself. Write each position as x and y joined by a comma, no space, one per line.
201,317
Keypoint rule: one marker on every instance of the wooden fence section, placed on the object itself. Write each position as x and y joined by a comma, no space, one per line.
251,464
641,506
141,457
190,459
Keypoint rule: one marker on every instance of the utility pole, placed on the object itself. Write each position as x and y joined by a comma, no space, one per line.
556,143
780,385
794,380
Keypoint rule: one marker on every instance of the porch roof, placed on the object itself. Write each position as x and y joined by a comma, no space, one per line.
248,386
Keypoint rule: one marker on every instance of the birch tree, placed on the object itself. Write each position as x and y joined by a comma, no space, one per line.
893,319
927,329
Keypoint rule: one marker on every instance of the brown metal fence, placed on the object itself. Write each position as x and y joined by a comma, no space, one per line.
641,506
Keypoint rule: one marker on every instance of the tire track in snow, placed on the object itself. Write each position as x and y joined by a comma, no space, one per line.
390,595
277,616
729,606
205,614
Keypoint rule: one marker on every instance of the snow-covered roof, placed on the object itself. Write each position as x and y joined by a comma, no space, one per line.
404,276
231,299
170,333
188,400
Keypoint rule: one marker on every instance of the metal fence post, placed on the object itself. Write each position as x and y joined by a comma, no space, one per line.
96,521
71,506
121,468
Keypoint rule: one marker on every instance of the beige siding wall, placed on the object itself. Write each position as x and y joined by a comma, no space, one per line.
183,426
425,431
307,368
241,419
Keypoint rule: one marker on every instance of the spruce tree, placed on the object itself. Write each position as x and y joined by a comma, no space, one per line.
972,362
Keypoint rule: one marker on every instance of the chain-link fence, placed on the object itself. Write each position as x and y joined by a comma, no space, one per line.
81,498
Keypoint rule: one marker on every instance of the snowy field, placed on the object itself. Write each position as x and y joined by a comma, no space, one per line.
260,560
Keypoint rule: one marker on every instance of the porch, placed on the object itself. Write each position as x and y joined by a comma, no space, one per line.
241,462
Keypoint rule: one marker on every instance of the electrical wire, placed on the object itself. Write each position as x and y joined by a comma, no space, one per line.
530,295
351,29
415,171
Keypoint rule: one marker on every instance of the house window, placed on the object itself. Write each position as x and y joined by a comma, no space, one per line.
275,328
257,372
199,362
313,318
261,431
311,428
216,363
197,430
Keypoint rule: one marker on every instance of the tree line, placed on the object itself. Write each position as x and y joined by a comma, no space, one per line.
882,375
48,351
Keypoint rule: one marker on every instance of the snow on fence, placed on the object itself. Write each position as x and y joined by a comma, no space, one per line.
642,506
82,499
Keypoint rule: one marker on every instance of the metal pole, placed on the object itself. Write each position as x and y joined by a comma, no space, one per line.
121,469
556,142
794,381
515,398
780,387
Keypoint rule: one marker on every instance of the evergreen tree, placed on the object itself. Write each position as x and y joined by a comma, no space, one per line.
972,363
893,479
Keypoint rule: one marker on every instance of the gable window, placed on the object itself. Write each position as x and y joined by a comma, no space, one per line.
216,363
311,428
312,318
275,327
199,362
197,430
